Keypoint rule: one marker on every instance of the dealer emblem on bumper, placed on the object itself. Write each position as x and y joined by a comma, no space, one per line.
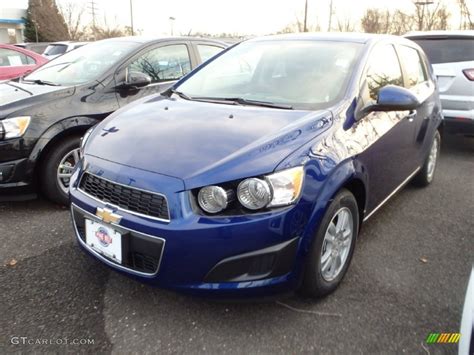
107,215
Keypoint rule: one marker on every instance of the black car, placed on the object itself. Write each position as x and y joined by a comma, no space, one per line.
44,114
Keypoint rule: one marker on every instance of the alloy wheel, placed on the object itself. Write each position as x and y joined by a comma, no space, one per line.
432,158
336,244
66,168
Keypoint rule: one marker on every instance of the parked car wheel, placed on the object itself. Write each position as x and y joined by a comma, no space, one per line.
333,246
426,174
57,169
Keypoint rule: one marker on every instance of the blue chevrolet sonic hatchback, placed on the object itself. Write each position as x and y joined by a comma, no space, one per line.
253,174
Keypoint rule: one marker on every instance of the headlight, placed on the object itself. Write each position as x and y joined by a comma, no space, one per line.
254,194
280,189
286,186
213,199
84,139
14,127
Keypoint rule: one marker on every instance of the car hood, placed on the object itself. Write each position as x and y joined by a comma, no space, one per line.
15,95
203,143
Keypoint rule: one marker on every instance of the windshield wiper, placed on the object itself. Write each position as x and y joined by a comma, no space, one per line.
18,87
228,100
171,91
41,82
242,101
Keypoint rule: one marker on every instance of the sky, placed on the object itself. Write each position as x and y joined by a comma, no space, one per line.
245,17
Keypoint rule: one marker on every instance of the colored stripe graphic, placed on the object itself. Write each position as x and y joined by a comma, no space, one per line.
443,338
432,338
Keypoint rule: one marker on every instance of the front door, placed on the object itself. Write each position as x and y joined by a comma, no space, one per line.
392,151
164,64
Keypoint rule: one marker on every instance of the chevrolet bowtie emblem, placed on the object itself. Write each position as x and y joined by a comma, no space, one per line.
107,215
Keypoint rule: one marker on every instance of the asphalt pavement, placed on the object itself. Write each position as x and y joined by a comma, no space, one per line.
408,278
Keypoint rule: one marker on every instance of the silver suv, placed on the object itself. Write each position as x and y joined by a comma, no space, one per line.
451,54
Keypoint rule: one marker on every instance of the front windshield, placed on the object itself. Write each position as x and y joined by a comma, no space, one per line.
303,74
82,65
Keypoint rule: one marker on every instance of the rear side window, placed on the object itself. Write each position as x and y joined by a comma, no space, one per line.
447,50
55,49
10,58
414,67
206,51
383,69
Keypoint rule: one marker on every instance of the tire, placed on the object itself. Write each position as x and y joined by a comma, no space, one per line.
52,186
317,281
426,175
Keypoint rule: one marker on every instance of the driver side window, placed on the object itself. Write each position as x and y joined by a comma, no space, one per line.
164,63
383,69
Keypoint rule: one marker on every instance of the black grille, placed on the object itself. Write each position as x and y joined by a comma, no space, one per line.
143,262
125,197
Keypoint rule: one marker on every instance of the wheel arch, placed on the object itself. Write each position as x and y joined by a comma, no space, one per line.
69,127
357,187
350,175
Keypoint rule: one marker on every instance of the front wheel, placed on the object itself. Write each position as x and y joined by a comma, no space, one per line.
426,174
57,168
333,246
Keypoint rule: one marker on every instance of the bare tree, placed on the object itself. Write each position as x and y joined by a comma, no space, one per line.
73,13
466,22
103,31
401,23
431,15
345,24
293,27
376,21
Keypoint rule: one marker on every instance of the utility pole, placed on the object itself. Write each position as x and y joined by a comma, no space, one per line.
171,24
305,25
131,16
330,16
36,30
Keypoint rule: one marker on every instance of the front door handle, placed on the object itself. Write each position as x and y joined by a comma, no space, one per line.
411,116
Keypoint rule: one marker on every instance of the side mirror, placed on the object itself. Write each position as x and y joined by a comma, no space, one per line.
393,98
396,98
137,79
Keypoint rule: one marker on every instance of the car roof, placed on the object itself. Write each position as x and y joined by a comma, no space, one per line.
328,36
145,39
60,43
21,50
441,34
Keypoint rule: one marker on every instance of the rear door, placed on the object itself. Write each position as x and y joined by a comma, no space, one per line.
452,57
164,64
418,81
206,50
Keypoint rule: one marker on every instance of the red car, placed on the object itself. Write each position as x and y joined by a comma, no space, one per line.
15,61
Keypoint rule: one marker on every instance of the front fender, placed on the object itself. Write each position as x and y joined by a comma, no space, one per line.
60,129
323,182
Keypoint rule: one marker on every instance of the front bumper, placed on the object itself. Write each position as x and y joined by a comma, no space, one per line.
16,170
252,255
